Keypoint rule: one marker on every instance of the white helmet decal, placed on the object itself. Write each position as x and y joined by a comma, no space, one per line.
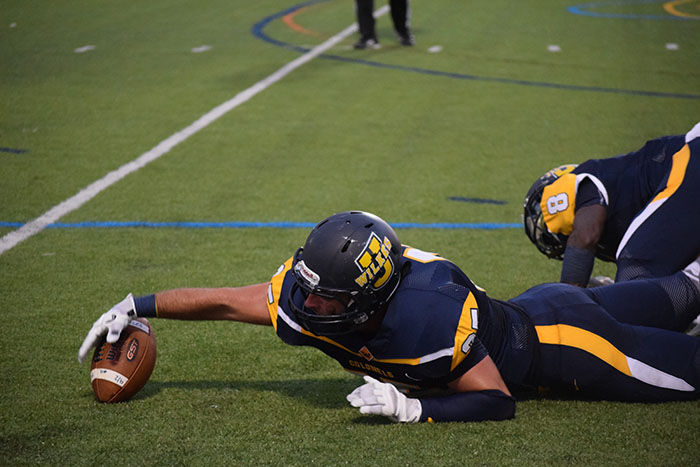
307,274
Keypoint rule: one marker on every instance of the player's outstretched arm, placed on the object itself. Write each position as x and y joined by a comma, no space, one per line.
246,304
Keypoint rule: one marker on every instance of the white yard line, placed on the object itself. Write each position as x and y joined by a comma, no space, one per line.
35,226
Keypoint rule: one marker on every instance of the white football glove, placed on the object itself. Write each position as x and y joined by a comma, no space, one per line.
112,323
379,398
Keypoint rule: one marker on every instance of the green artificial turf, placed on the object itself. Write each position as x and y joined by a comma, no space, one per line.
401,132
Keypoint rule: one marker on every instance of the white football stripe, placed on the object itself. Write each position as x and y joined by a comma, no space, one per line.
658,378
638,221
35,226
108,375
85,48
435,355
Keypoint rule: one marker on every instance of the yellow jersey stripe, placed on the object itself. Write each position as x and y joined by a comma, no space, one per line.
675,178
466,331
274,290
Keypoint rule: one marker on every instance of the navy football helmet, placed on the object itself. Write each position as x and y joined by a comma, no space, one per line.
352,256
551,244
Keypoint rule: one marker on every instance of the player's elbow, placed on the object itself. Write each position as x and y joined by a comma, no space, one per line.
506,410
588,227
584,238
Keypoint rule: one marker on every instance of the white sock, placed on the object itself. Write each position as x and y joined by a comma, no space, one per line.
693,272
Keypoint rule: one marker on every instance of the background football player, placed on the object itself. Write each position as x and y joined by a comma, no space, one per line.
640,210
400,17
409,319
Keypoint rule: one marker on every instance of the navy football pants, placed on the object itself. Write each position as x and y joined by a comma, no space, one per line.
585,347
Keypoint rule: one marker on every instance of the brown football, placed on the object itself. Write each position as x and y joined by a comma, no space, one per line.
120,370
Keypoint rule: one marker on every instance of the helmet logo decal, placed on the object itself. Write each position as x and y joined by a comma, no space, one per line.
561,170
373,258
309,276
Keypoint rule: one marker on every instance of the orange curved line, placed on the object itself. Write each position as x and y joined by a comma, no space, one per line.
670,7
289,21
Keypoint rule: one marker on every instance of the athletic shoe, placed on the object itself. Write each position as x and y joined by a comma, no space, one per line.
367,43
407,40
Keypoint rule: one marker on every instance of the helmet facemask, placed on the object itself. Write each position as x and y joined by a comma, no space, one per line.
548,243
551,244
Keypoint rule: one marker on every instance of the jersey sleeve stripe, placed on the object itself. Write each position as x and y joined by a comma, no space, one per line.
466,331
598,184
274,290
292,324
288,321
436,355
405,361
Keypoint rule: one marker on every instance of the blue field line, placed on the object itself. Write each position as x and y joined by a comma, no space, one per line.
258,31
451,225
583,8
13,150
521,82
476,200
257,225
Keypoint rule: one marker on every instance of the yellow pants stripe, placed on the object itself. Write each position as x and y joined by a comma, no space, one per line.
563,334
571,336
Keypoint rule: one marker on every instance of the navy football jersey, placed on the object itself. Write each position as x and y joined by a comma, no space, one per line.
626,184
437,326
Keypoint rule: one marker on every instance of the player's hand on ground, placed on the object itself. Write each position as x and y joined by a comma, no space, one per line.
377,398
598,281
111,323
